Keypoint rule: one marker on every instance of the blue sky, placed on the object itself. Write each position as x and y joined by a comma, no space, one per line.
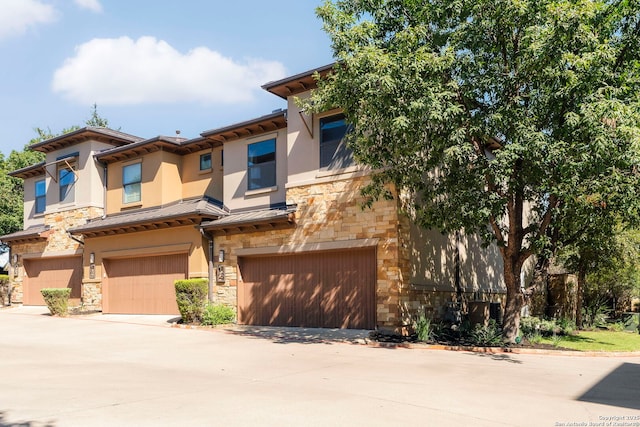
151,66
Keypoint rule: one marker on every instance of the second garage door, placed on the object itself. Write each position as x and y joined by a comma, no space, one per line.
321,289
143,285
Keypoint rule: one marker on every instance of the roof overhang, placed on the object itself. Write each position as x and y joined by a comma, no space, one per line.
107,136
179,214
268,123
247,222
29,171
30,235
298,83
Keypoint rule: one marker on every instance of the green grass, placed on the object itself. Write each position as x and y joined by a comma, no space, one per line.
598,341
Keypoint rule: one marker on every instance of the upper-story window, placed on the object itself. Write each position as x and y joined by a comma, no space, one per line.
41,196
261,164
334,153
66,179
132,183
205,161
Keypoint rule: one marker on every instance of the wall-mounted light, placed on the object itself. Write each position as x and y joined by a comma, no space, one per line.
15,259
221,255
92,258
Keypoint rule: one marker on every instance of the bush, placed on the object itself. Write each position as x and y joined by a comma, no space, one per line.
424,328
490,335
4,289
218,314
191,296
57,300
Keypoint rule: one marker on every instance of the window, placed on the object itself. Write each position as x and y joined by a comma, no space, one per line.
131,183
41,196
334,153
205,162
66,179
262,164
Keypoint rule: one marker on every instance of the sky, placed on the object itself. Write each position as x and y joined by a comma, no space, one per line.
151,66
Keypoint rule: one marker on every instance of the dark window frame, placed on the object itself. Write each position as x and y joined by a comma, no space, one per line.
333,152
40,199
126,184
261,164
206,164
66,182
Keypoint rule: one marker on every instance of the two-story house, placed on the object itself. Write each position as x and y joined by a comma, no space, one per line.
269,210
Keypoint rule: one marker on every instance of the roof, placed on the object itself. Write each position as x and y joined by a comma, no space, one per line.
29,171
298,83
270,122
171,144
252,221
34,233
184,212
106,135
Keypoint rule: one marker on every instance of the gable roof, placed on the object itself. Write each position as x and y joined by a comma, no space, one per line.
183,212
298,83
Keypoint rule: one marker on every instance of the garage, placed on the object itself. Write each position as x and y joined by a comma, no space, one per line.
51,273
327,289
143,285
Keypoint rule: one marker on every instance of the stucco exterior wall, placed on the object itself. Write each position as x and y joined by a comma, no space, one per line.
236,193
196,183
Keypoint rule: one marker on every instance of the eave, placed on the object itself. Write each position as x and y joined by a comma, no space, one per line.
268,123
107,136
268,220
297,83
30,235
29,171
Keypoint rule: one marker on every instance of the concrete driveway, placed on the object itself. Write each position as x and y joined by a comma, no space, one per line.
138,371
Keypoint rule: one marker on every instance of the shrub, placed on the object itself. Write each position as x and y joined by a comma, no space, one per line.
218,314
4,289
191,296
57,300
424,328
490,335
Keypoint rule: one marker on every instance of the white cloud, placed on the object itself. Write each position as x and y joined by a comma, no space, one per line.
18,15
92,5
123,71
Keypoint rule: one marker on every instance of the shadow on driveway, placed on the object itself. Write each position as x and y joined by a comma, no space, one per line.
621,387
284,335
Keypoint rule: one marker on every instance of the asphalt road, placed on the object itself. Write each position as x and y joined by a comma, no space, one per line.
138,371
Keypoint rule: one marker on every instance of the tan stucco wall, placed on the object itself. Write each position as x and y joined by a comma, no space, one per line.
88,188
161,182
236,195
196,183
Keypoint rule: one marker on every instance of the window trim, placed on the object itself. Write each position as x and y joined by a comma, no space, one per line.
250,167
125,184
68,195
43,196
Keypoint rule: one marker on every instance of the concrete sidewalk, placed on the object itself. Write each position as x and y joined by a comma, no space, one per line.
96,371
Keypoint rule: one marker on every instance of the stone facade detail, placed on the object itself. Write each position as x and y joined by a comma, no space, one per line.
331,212
57,242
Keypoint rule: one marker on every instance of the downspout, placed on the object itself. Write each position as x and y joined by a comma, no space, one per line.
104,187
210,272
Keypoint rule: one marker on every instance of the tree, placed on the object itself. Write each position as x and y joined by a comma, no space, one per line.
96,120
497,116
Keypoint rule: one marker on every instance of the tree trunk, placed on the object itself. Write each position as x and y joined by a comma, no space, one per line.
579,291
514,303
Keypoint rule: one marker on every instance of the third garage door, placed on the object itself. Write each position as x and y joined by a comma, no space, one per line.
143,285
320,289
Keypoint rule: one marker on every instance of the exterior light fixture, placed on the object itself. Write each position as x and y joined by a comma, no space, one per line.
92,258
221,255
15,259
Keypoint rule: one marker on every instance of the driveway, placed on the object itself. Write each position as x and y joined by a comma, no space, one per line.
138,371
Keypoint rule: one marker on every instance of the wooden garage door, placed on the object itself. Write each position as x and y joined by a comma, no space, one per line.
143,285
51,273
320,289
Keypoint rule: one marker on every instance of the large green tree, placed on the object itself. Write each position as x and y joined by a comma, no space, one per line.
498,116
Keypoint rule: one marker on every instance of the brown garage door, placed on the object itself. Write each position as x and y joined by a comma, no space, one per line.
143,285
320,289
51,273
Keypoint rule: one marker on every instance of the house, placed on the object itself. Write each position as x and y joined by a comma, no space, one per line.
269,210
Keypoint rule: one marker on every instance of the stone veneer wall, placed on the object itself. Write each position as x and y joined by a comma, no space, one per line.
329,212
57,242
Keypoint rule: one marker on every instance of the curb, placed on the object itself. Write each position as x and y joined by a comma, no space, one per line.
502,350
